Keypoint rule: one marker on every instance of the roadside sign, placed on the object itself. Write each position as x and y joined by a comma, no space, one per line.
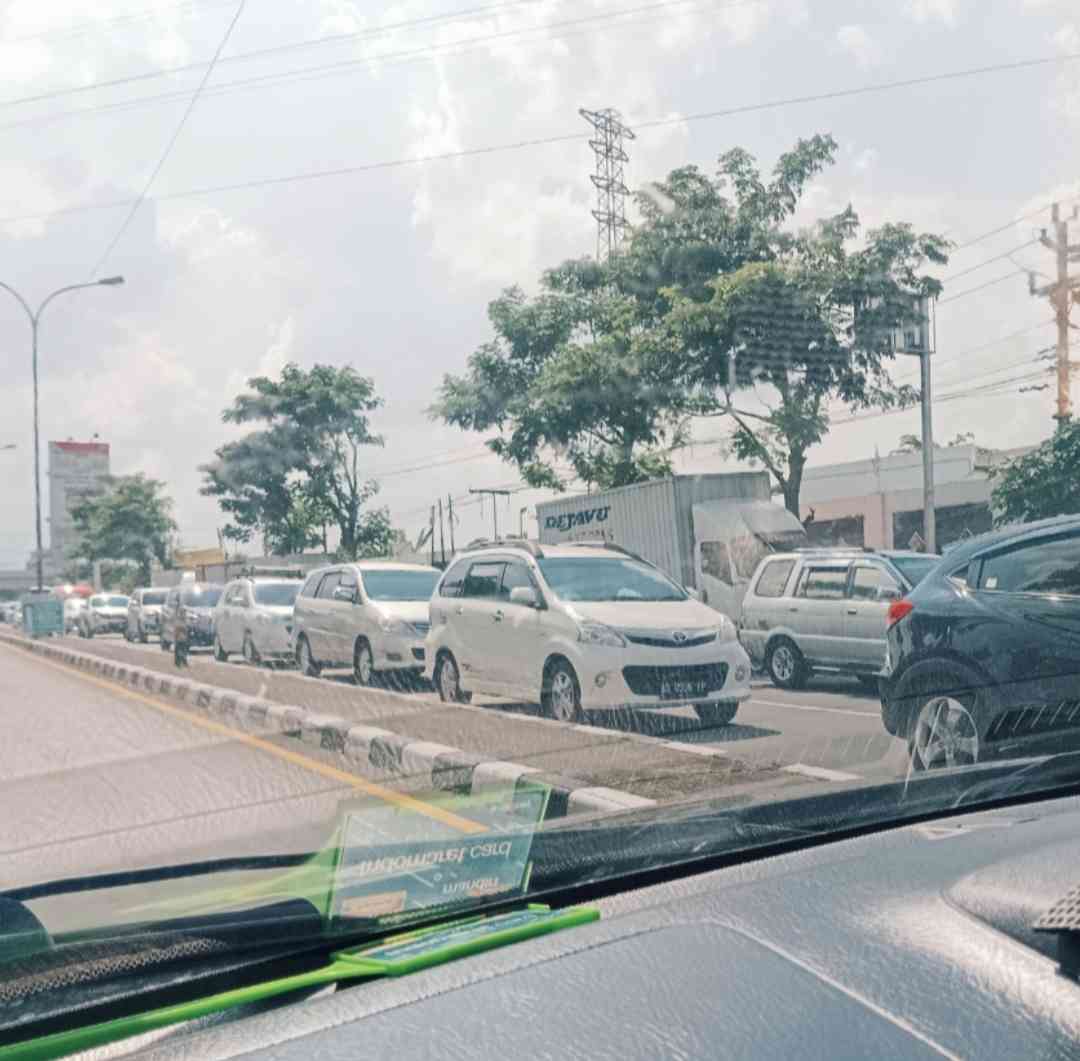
916,542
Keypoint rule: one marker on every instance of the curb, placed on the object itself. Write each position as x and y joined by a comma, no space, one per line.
376,754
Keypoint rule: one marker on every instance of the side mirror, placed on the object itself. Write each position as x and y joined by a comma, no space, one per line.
345,593
889,593
524,595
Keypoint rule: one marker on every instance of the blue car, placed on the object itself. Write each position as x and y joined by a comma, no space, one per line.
983,656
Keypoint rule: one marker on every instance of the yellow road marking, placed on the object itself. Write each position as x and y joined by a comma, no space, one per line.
399,799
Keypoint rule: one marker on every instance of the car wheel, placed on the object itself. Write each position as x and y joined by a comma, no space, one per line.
944,731
219,650
165,645
448,681
786,665
715,713
250,652
305,660
561,695
127,634
363,666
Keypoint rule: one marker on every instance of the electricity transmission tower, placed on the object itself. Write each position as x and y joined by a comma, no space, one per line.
611,190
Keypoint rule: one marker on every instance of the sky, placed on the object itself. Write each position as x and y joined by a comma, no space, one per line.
353,182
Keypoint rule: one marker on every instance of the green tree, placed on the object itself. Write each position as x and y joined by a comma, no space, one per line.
302,468
1041,483
131,520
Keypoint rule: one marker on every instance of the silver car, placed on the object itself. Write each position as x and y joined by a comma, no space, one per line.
255,618
825,609
371,615
144,613
105,613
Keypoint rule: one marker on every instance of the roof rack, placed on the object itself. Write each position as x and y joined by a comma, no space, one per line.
532,548
832,550
269,571
600,543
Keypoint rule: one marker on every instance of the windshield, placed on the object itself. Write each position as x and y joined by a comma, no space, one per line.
598,579
276,594
582,392
201,597
915,568
400,585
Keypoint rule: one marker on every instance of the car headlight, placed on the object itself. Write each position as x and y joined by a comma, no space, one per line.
397,627
600,634
727,630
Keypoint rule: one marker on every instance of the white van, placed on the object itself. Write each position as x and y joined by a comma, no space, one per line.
371,615
586,625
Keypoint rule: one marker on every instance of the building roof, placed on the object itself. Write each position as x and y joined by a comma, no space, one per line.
85,448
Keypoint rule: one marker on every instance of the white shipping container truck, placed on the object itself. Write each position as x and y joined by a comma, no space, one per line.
707,532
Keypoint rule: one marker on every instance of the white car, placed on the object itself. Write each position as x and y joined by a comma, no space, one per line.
254,616
580,626
73,609
371,615
105,613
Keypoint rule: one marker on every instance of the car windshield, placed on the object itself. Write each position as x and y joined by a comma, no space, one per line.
590,578
200,597
915,568
573,397
276,594
399,585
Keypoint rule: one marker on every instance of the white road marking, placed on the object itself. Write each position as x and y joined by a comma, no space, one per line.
694,749
814,707
821,773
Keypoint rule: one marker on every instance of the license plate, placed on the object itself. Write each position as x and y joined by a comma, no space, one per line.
675,690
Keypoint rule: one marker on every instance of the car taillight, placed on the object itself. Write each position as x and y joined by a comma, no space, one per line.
897,611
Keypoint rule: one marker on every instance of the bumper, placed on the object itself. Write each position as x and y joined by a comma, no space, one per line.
109,626
662,677
273,641
399,653
754,641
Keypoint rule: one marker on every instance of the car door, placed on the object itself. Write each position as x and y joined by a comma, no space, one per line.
346,613
474,617
319,633
816,612
225,618
515,640
871,589
1033,589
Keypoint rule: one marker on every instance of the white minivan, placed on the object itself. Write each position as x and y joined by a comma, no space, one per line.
582,625
371,615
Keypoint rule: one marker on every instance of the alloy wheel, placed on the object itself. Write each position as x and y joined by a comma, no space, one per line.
945,734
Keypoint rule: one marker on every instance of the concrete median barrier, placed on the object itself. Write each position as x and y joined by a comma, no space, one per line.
370,752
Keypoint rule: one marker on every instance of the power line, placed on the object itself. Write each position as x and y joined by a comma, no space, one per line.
1002,228
997,258
102,25
541,141
980,287
938,360
172,142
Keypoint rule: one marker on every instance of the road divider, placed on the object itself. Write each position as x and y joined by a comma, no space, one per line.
374,753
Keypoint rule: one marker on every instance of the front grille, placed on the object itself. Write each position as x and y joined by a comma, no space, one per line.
418,653
422,628
1028,721
670,642
675,682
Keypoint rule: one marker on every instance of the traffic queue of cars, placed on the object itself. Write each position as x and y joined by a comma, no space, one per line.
973,654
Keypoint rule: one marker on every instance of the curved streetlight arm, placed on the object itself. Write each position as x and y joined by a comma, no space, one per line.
22,301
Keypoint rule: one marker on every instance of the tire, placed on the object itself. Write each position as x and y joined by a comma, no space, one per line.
561,695
716,713
363,667
869,682
127,634
219,650
786,666
943,728
165,645
305,661
448,681
250,652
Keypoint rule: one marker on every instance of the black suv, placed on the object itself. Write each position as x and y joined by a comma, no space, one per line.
984,655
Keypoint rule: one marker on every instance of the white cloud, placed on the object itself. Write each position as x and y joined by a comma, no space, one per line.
860,45
1067,38
943,11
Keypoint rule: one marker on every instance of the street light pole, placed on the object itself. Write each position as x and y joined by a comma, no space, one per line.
34,317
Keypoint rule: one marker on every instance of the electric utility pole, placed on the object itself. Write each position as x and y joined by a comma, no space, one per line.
1062,293
494,505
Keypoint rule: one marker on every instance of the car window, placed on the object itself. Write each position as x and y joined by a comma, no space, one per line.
867,580
201,596
915,568
154,596
773,578
276,594
311,586
602,578
329,584
403,585
716,561
1048,566
454,579
515,575
482,581
824,583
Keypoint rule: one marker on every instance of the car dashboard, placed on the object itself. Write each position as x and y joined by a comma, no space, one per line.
914,942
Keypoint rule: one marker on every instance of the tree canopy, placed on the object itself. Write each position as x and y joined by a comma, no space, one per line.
301,469
605,367
131,520
1041,483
